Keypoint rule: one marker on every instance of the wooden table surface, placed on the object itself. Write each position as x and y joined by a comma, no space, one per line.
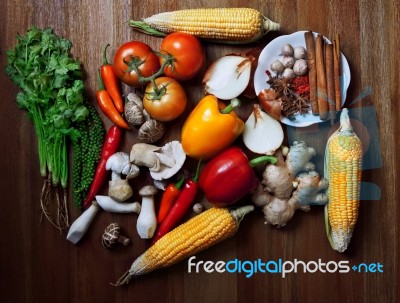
39,265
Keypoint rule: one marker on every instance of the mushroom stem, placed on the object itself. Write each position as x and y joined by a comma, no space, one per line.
115,176
123,240
147,221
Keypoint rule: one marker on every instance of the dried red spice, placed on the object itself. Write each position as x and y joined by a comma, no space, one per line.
301,85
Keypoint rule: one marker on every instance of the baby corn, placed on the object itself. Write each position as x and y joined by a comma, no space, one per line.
343,161
225,25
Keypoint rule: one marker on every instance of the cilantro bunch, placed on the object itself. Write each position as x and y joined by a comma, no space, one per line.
52,93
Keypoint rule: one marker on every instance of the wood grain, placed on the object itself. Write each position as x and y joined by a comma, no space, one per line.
39,265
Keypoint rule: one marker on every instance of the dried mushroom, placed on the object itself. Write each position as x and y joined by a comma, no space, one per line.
134,110
112,235
152,130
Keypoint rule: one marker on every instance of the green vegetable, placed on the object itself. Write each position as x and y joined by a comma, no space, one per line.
52,93
87,152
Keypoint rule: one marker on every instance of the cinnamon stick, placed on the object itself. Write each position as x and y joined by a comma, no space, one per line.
330,81
336,69
321,79
312,73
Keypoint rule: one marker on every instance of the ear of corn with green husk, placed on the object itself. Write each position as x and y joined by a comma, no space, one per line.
189,238
224,25
343,161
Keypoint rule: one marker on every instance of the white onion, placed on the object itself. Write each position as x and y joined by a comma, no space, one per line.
262,134
228,76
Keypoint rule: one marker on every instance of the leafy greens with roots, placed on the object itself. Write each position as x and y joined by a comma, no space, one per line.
52,93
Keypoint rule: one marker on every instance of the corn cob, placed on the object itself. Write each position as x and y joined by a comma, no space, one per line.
189,238
224,25
343,160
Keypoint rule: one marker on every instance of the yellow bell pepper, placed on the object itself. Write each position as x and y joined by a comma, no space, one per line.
210,128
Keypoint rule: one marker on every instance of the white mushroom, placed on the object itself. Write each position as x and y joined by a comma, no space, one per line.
80,226
160,184
109,204
172,157
143,154
198,208
119,189
147,221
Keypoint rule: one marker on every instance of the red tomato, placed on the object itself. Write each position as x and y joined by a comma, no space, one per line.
188,55
167,102
132,53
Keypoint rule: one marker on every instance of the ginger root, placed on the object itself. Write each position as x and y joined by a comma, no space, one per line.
290,184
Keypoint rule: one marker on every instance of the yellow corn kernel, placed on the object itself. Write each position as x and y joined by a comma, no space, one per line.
235,25
189,238
343,161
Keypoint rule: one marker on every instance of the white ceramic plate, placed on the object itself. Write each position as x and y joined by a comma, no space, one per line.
271,52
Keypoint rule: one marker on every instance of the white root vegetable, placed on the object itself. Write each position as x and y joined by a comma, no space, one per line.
262,134
147,221
228,76
80,226
109,204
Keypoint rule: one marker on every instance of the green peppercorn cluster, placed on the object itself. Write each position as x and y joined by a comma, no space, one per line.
86,154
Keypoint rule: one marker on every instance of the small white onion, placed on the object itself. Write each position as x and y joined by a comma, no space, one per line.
288,73
300,67
228,77
300,52
287,50
288,61
262,134
277,67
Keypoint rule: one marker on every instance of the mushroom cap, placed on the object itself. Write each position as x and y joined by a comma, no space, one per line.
148,190
173,152
110,235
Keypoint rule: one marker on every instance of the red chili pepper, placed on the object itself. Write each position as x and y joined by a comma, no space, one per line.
111,82
229,176
180,207
107,106
110,147
170,195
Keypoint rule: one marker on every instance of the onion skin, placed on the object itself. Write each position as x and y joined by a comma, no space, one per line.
270,102
254,54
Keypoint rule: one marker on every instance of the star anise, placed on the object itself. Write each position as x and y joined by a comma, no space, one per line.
282,86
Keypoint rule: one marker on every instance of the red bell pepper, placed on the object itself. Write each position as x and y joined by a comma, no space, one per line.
110,147
229,176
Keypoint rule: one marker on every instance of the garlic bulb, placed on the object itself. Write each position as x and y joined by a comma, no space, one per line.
300,67
277,67
287,50
262,134
288,61
300,52
288,73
